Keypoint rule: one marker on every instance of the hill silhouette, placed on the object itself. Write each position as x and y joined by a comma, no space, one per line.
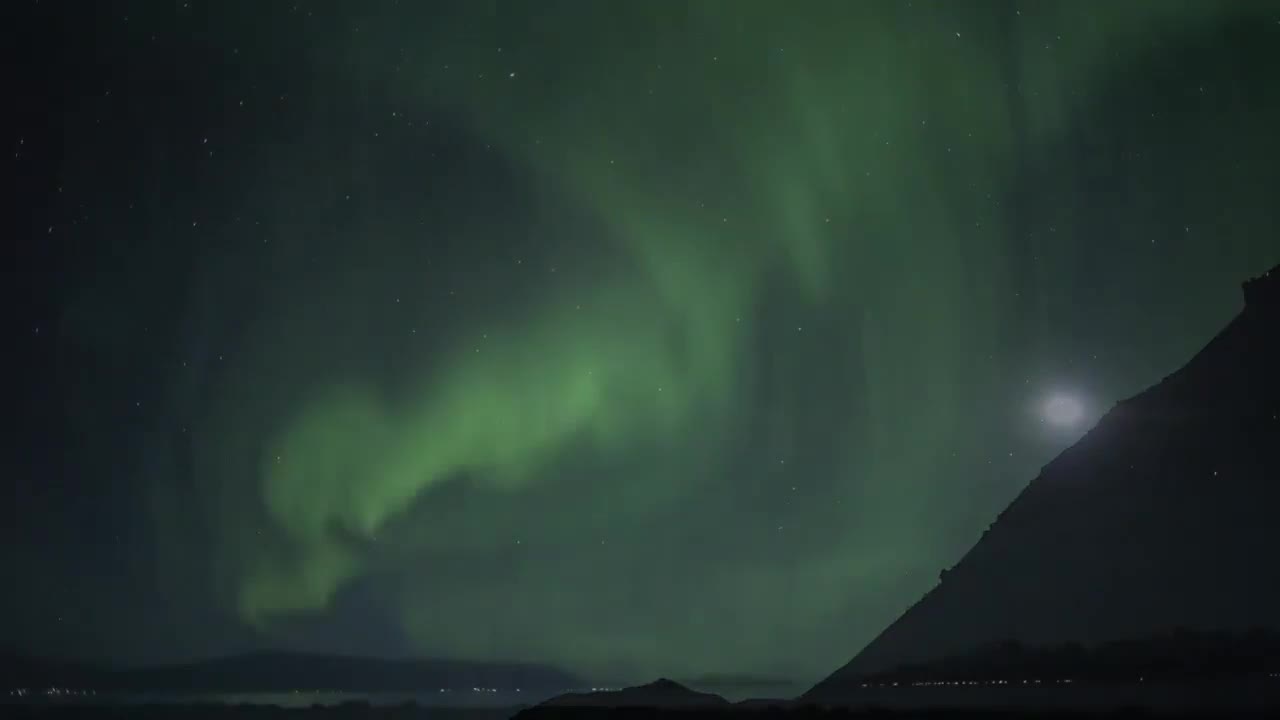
1165,515
661,693
271,672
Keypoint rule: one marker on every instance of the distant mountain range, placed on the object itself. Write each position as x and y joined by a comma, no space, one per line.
286,672
1165,515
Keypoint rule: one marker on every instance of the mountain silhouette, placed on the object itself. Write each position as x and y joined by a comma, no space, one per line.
1165,515
661,693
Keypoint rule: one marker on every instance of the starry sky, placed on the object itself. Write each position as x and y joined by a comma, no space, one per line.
636,338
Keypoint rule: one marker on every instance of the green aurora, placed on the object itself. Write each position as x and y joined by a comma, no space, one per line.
847,154
737,339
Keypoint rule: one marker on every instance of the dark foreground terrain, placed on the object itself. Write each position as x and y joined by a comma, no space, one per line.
416,712
212,711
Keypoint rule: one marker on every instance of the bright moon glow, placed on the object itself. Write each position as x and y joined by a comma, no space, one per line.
1063,410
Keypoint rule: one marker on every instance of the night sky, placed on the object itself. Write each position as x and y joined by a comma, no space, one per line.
640,338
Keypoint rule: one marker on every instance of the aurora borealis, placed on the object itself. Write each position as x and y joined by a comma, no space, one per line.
636,338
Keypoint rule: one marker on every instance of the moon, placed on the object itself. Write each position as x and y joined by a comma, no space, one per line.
1063,410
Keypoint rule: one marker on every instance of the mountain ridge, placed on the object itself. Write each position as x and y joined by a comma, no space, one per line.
284,671
1079,556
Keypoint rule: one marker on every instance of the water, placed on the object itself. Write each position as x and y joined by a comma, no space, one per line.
298,699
